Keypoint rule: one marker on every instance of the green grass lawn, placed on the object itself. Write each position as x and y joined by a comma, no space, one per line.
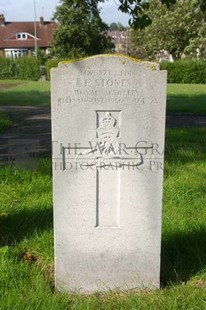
31,93
186,98
4,122
181,98
26,237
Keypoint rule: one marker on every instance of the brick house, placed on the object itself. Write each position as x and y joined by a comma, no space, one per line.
18,38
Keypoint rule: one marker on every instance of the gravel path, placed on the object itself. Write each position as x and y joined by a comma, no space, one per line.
34,124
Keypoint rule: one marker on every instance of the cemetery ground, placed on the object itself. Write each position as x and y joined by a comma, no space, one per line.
181,98
26,223
18,92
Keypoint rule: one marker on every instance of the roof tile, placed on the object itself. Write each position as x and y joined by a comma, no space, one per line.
44,32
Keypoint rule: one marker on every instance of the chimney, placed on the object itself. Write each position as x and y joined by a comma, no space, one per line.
2,20
41,20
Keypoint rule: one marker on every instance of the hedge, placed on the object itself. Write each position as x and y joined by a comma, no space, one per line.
51,63
191,72
28,68
25,68
7,69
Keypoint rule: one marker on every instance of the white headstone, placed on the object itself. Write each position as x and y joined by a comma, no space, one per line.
108,123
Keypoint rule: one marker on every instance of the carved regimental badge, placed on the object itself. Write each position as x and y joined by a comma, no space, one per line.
108,135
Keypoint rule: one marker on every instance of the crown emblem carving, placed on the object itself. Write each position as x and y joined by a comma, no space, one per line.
108,129
108,134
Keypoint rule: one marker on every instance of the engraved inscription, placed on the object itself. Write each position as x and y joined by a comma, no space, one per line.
96,73
107,83
106,86
118,97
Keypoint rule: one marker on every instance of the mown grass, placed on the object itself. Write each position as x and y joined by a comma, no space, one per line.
4,122
18,92
26,236
186,98
181,98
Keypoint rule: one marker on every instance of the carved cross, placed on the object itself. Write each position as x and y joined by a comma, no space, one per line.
108,157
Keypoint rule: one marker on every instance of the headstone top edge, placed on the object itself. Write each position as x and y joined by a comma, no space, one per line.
124,58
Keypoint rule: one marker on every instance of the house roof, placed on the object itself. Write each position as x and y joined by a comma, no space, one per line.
44,31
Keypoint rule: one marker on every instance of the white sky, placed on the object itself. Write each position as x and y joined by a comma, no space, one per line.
23,10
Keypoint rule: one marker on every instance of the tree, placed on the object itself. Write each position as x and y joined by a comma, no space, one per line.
81,31
113,27
121,27
138,10
179,29
117,26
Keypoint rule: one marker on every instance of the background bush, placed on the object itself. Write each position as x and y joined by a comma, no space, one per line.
28,68
192,72
25,68
8,68
51,63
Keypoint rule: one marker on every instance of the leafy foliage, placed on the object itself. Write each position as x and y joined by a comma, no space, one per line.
179,29
185,72
81,31
25,68
7,68
113,27
51,63
138,10
28,68
117,26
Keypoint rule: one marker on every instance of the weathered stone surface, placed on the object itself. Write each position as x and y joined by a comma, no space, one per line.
108,121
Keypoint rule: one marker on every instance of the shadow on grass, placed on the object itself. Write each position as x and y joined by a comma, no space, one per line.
184,253
183,256
25,98
17,226
29,123
186,104
185,145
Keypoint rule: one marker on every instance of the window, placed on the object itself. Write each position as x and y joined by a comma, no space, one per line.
21,36
16,53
